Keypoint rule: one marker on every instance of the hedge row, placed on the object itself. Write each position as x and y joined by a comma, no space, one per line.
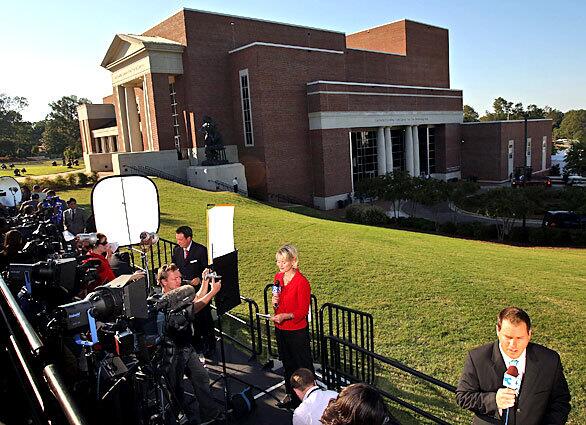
63,182
376,216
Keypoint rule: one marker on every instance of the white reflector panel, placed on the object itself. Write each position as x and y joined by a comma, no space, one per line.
10,194
125,206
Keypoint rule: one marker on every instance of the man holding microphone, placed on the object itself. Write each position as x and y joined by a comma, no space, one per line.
513,381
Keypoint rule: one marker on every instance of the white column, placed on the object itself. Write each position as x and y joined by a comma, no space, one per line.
389,149
427,148
133,120
409,150
104,145
380,152
147,114
111,146
416,167
123,119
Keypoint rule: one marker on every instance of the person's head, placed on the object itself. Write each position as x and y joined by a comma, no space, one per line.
36,188
169,277
12,241
301,381
35,196
29,210
513,329
72,203
357,404
25,190
183,235
51,193
287,258
101,245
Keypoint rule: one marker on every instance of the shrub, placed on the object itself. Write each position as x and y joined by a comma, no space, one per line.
59,183
72,180
82,179
354,213
448,228
414,223
93,178
374,216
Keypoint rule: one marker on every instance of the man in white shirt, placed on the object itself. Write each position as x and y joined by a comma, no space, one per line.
314,400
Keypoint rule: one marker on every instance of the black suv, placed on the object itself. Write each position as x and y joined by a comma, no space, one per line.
564,220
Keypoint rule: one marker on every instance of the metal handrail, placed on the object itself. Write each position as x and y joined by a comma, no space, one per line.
31,356
390,362
150,171
32,337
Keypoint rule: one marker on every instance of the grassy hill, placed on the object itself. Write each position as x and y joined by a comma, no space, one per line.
432,297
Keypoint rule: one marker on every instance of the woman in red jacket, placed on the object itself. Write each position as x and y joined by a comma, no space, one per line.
292,332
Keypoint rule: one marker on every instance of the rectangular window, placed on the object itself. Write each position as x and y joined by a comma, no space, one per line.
246,108
364,155
397,138
431,150
175,116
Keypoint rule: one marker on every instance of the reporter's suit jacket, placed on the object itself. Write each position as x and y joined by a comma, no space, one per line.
544,397
75,223
195,263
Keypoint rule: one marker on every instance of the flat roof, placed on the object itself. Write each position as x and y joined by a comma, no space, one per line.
188,9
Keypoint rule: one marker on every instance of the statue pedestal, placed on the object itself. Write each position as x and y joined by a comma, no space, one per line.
204,177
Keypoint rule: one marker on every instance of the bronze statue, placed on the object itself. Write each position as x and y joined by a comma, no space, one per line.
214,148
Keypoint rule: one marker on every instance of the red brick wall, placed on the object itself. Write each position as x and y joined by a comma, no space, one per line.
330,158
482,151
350,102
390,38
485,150
447,147
426,62
277,79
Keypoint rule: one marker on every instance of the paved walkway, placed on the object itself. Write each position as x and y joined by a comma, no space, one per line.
445,213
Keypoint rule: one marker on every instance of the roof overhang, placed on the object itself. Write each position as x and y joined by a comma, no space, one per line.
131,56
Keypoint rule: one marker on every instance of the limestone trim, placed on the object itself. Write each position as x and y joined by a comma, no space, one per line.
351,83
344,119
285,46
359,93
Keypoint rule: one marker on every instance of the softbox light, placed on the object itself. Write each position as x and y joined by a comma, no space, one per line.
10,194
124,207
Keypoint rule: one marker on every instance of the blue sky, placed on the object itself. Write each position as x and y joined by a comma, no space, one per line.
527,51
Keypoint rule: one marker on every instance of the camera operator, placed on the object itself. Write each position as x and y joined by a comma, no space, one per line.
100,252
180,356
57,206
13,243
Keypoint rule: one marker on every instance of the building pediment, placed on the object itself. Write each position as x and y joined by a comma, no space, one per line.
130,56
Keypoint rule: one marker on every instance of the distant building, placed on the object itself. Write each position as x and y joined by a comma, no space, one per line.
308,112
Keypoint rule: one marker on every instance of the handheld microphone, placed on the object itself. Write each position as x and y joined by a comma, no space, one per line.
177,298
276,291
511,380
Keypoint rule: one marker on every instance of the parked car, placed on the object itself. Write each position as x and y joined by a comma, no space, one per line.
564,220
576,181
535,181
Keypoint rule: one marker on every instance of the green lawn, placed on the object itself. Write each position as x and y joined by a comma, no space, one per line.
40,168
432,297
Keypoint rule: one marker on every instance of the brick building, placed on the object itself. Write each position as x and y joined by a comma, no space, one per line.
307,112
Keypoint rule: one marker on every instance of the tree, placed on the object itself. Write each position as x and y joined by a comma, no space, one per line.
503,110
470,115
11,123
62,125
573,125
398,187
506,205
576,158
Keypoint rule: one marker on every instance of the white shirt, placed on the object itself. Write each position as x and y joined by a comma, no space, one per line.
521,363
312,407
